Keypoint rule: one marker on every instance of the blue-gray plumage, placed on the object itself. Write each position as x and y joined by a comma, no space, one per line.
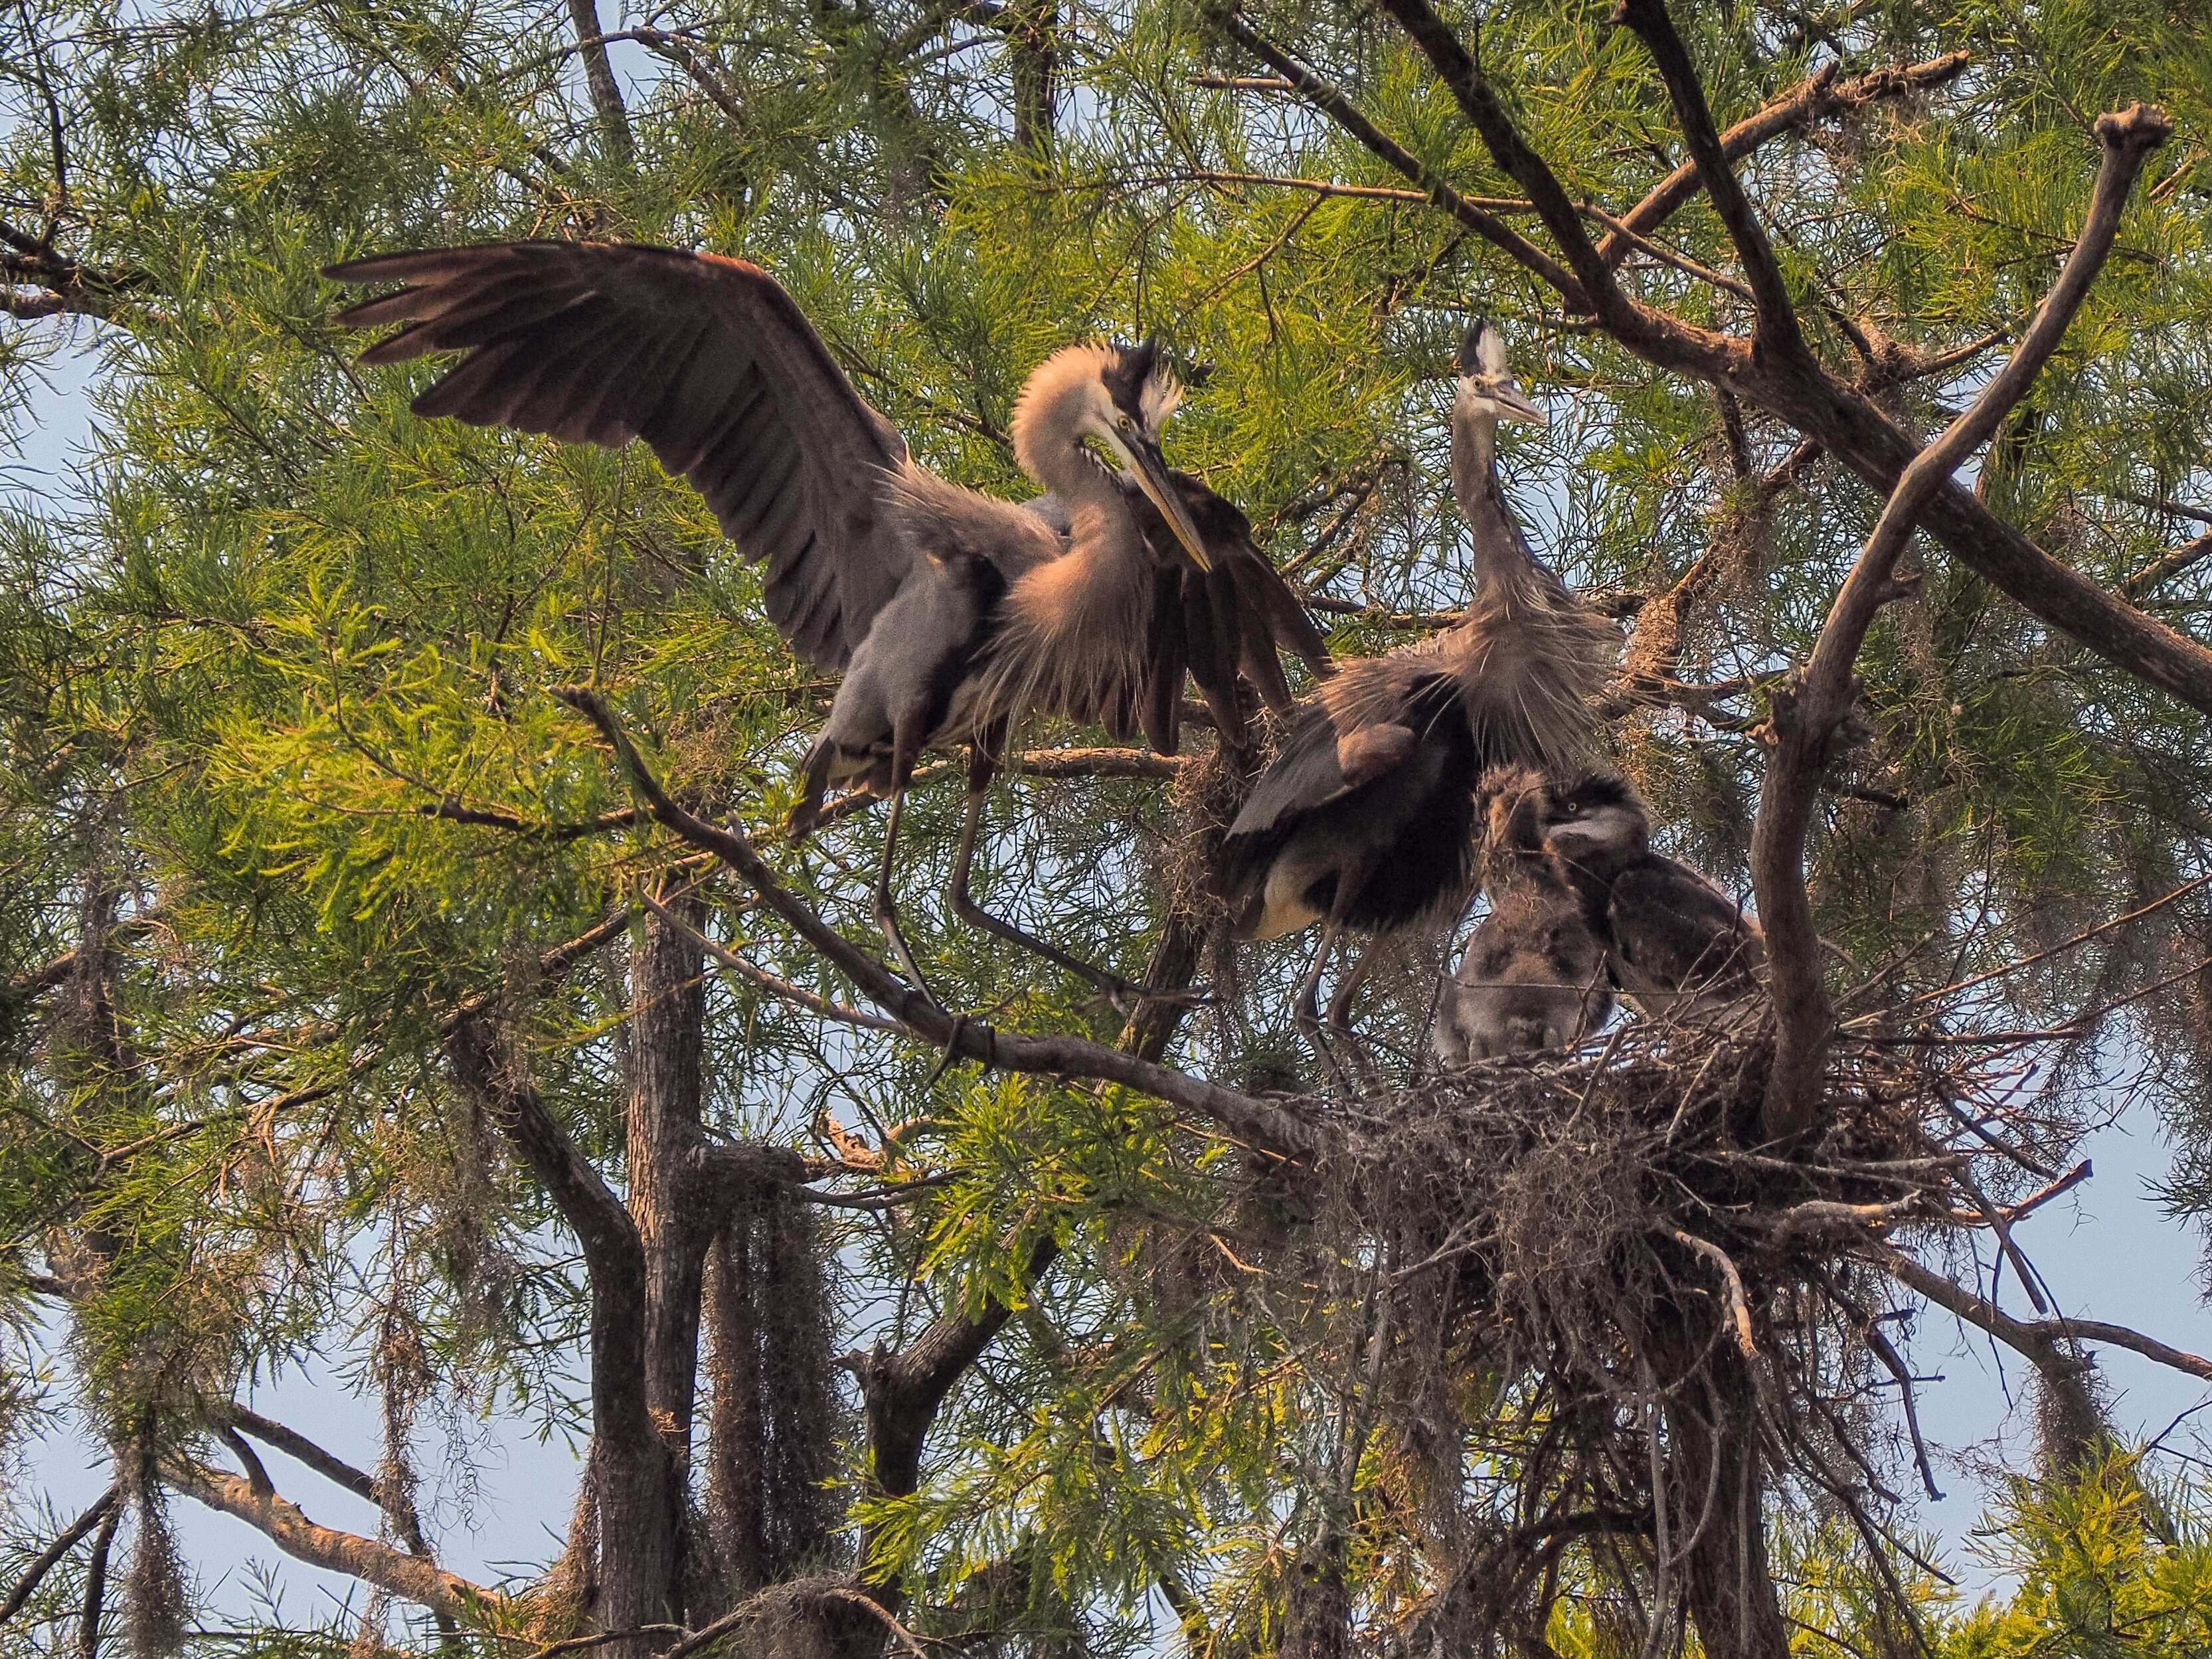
1365,820
952,613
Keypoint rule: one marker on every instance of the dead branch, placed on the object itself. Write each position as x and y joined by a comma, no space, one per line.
1739,1306
283,1524
2039,1341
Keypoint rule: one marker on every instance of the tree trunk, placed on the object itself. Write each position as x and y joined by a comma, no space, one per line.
664,1139
1033,44
1713,1446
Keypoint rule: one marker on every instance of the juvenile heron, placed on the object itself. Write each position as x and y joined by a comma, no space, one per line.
1365,820
951,613
1533,976
1678,947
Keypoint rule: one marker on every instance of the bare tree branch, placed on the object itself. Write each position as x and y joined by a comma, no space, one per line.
2041,1340
600,79
2168,565
1809,715
51,1557
1810,101
1332,102
1778,329
1265,1126
282,1523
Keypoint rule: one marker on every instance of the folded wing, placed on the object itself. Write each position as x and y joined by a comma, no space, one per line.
705,358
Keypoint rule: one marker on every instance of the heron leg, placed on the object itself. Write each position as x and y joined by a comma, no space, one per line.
906,744
1121,993
1306,1011
1340,1005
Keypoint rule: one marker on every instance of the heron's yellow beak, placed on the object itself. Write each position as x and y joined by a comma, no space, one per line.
1149,469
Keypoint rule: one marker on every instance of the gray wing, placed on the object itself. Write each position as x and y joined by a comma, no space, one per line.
1675,930
708,360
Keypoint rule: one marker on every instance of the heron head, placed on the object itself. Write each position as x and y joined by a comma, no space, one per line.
1597,814
1135,393
1485,379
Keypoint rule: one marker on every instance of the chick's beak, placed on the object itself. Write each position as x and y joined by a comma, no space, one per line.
1149,469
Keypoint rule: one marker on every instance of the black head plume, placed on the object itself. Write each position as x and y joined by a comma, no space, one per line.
1125,377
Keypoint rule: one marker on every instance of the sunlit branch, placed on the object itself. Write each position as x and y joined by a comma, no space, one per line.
282,1523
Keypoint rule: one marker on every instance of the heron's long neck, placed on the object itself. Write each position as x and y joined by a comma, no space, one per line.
1473,452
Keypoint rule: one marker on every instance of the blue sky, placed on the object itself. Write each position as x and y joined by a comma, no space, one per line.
2107,1251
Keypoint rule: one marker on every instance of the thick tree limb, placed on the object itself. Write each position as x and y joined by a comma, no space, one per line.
600,79
1809,715
51,1557
1463,78
1325,96
2041,1340
1263,1124
1811,101
281,1522
1777,330
614,1256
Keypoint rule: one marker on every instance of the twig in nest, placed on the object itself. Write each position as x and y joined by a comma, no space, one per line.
1739,1306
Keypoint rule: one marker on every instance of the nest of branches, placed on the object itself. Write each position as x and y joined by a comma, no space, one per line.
1595,1309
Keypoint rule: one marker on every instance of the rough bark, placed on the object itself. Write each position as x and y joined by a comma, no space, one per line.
665,1138
1715,1483
632,1473
366,1558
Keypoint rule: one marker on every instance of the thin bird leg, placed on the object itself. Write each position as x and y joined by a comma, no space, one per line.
887,911
982,761
1306,1014
1340,1005
906,744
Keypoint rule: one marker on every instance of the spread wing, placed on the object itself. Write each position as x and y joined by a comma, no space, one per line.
1675,930
708,360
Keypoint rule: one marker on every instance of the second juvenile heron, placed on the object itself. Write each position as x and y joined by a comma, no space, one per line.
1366,819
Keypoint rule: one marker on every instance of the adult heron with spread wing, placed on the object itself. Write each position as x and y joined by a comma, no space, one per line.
1366,819
950,612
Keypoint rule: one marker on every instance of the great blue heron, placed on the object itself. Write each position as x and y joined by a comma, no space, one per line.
1365,820
1678,947
1533,976
950,612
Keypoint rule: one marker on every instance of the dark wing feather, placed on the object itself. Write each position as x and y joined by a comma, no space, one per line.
708,360
1675,930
